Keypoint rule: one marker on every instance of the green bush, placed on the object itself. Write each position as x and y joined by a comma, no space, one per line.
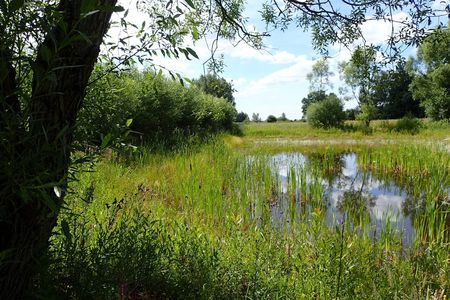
110,101
168,110
408,124
368,113
271,119
162,110
326,113
242,117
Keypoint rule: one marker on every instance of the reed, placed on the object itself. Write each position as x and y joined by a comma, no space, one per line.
213,222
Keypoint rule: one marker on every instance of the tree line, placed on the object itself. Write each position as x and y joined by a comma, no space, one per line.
415,87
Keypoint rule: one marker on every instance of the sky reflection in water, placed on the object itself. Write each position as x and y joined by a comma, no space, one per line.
381,199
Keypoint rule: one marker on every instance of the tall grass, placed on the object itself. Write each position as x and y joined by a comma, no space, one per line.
214,223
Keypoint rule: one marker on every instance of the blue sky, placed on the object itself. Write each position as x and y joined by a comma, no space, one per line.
274,81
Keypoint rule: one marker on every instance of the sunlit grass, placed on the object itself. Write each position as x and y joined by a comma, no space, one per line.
197,223
304,131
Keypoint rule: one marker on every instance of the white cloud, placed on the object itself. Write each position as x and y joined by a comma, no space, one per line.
440,5
295,73
246,52
277,92
378,31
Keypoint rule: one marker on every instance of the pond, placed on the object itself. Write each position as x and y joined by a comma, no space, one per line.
368,202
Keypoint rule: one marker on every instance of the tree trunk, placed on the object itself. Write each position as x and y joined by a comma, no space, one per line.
36,159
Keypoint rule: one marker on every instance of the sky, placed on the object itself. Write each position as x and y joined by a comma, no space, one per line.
273,81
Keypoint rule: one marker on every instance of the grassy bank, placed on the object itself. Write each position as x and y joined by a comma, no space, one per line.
198,223
378,129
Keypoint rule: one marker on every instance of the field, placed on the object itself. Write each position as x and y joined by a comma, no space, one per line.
379,129
282,211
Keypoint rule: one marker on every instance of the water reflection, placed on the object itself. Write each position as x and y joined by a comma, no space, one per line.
364,199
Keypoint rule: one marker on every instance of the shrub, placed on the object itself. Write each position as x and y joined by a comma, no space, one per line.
367,114
109,102
387,126
408,124
168,110
241,117
325,114
162,110
271,119
350,114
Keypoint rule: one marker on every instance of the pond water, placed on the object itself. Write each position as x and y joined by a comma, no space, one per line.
346,192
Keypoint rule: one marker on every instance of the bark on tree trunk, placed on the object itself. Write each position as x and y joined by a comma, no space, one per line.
40,157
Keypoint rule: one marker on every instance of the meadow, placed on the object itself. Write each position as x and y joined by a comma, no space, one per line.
424,129
237,218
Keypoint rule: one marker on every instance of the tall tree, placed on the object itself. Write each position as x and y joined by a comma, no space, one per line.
35,129
360,73
216,86
241,117
256,117
431,84
319,77
392,97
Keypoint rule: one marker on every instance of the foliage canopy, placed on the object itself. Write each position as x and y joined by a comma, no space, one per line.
216,86
326,113
431,85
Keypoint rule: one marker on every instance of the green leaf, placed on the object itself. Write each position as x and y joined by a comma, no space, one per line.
106,140
188,80
48,201
195,34
93,12
192,52
15,5
128,123
190,3
118,8
159,75
84,36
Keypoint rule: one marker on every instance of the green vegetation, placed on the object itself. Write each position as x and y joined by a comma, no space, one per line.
198,223
241,117
379,129
367,114
48,50
392,96
271,119
360,73
432,75
160,109
168,109
319,77
326,113
282,118
216,86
